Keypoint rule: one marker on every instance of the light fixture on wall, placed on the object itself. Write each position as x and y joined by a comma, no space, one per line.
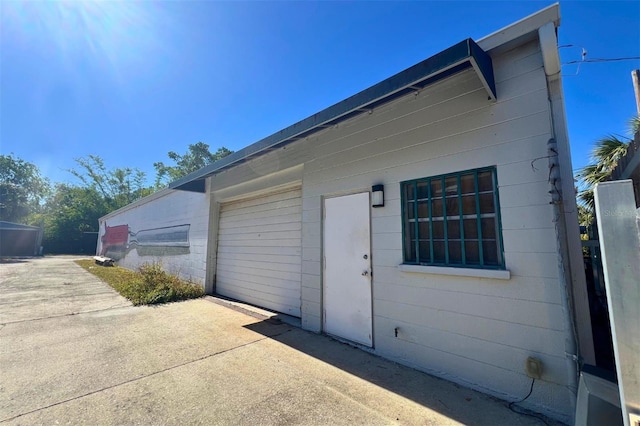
377,196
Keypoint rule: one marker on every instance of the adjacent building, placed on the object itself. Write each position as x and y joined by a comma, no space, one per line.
17,240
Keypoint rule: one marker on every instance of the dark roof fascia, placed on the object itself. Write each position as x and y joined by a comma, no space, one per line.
448,62
17,226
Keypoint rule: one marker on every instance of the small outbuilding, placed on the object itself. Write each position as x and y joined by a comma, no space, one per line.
18,240
430,219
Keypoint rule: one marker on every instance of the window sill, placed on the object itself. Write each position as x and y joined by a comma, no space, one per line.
461,272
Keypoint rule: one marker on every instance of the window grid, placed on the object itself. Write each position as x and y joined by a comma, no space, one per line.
476,186
415,216
444,218
462,241
451,216
430,223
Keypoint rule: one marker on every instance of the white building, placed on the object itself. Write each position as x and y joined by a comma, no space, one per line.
473,263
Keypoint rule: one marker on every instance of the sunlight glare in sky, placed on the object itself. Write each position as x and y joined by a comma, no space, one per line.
147,77
117,37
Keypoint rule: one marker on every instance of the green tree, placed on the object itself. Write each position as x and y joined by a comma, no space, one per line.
68,212
585,215
22,188
197,156
604,158
118,187
634,124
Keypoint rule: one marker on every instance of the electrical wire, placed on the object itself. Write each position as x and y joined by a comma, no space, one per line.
525,398
583,59
592,60
583,56
537,416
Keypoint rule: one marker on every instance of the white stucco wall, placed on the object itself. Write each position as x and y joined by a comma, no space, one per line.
169,210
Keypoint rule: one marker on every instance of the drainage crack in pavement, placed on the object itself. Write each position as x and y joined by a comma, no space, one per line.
36,299
70,314
155,373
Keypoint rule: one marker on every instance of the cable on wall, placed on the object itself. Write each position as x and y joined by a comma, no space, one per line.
527,413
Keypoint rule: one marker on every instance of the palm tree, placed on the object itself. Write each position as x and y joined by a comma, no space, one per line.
634,124
604,158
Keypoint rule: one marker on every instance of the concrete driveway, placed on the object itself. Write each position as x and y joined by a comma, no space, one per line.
72,351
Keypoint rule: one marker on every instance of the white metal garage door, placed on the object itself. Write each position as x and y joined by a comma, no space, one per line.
259,251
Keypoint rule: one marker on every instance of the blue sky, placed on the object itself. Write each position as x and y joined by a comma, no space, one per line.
130,81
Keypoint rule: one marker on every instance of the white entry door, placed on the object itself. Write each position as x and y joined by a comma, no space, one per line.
347,273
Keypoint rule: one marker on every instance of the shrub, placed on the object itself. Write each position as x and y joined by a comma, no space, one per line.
150,285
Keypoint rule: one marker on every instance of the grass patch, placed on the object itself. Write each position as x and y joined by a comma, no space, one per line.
150,285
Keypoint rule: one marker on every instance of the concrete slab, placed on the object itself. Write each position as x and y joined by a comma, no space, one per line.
44,287
197,362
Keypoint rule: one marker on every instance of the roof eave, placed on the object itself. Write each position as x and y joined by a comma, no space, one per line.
448,62
520,31
12,226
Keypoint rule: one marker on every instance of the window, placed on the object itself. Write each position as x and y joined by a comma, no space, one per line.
453,220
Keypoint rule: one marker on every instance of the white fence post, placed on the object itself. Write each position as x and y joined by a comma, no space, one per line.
619,229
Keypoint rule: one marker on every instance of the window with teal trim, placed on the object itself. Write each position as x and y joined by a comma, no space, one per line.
453,220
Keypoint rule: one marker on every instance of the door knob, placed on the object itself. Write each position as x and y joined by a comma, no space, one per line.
365,273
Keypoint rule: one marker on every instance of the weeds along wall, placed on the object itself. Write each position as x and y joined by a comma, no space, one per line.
168,227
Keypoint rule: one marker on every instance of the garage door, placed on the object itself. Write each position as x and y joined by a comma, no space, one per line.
259,251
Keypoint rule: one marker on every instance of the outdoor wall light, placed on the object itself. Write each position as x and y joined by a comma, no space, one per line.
377,196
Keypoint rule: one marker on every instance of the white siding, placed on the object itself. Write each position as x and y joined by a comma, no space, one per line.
176,208
473,330
476,331
259,254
